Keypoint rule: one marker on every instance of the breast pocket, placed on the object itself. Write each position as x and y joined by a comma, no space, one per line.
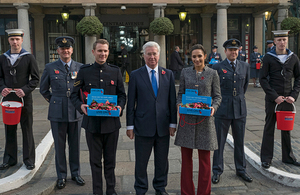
55,107
110,87
57,81
89,86
225,81
241,81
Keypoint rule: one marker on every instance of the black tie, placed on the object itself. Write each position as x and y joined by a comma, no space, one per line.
232,66
67,67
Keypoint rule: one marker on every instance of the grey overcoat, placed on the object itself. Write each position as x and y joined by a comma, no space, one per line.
202,136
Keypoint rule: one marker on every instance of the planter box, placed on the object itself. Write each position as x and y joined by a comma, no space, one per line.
191,96
98,96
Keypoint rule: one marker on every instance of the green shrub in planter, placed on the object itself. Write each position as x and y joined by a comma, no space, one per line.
292,24
90,25
161,26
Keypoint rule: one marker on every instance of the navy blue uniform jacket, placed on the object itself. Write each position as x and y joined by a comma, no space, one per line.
146,112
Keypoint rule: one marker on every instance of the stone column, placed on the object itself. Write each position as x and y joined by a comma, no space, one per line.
206,26
258,31
160,39
39,40
23,23
89,40
222,34
283,13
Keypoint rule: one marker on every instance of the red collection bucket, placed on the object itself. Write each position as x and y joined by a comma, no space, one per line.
11,111
258,65
285,119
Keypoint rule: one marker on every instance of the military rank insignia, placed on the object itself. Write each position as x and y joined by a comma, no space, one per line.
74,75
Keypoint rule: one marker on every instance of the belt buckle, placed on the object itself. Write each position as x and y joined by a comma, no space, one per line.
234,93
68,93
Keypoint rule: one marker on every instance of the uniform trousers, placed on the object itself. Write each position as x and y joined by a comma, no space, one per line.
204,174
106,145
143,148
60,130
267,146
238,133
11,143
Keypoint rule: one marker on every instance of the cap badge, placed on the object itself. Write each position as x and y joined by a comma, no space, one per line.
233,42
64,40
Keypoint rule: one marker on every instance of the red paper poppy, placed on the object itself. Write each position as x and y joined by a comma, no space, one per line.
202,78
56,72
112,82
163,72
225,71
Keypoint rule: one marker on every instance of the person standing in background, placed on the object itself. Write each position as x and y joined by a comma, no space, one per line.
176,63
242,54
255,58
214,54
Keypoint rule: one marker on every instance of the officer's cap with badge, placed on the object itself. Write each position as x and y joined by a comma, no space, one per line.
281,33
64,41
232,43
270,42
15,32
214,47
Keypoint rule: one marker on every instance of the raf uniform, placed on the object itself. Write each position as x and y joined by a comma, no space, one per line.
101,132
65,120
242,55
19,71
276,79
232,112
216,56
270,48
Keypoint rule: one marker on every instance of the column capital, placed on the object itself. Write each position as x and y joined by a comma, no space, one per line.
21,5
206,15
38,16
284,5
89,5
222,5
159,5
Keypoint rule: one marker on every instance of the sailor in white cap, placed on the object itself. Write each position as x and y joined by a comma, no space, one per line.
18,72
280,65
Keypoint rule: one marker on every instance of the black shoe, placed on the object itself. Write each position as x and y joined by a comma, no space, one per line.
293,163
4,166
61,183
30,167
78,180
245,177
265,165
161,193
215,179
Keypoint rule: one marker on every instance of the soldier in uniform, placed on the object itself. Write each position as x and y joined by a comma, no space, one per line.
255,57
234,79
65,120
242,54
18,72
270,45
101,132
125,63
276,78
214,54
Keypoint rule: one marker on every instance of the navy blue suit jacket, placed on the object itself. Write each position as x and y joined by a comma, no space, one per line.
146,112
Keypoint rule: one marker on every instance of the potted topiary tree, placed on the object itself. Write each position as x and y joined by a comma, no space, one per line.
161,26
292,24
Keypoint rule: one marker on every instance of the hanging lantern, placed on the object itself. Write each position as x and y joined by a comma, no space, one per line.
182,13
65,13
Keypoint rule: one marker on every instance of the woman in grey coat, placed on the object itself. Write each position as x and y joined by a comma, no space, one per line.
203,135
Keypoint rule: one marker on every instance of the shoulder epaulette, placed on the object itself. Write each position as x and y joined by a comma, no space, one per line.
113,66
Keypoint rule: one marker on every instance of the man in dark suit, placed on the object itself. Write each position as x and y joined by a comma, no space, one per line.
19,73
176,63
151,118
242,54
65,120
102,133
214,54
234,79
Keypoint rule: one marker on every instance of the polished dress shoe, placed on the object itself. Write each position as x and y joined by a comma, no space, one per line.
161,193
215,179
245,177
265,165
293,163
4,166
78,180
61,183
30,167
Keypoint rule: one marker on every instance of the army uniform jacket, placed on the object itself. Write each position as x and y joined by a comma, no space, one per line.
107,77
276,77
61,82
233,85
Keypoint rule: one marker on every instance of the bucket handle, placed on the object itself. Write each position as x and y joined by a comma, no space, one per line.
294,111
14,92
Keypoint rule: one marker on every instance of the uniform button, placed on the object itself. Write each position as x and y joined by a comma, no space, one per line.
90,84
234,89
68,89
101,80
54,102
234,81
100,70
68,81
234,74
223,77
55,77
